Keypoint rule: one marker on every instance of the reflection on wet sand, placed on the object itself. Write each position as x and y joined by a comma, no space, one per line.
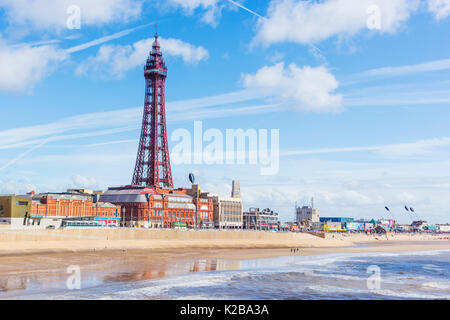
13,283
202,265
29,281
198,265
20,276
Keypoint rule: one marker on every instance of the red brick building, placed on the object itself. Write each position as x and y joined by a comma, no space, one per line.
73,207
160,208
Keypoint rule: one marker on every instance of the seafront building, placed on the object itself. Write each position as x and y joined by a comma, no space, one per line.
256,219
308,217
360,225
228,212
53,210
14,209
334,223
444,228
147,207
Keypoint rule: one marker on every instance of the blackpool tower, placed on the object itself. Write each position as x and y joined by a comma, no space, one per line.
153,161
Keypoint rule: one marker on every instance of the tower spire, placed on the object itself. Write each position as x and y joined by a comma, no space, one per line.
153,161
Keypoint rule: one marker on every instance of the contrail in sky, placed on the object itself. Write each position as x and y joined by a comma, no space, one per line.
10,163
98,41
246,9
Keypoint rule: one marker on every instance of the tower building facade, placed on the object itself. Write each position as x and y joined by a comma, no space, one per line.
153,160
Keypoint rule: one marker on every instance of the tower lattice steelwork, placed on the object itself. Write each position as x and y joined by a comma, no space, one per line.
153,161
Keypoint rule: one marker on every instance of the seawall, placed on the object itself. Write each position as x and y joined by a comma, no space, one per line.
35,241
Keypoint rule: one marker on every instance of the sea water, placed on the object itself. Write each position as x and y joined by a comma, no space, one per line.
420,275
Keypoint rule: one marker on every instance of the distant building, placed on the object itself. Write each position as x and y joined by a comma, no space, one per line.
360,225
80,191
14,210
308,217
256,219
85,192
419,226
387,224
236,189
403,227
334,223
444,228
228,211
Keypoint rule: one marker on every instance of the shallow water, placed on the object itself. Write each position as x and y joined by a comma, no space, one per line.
421,275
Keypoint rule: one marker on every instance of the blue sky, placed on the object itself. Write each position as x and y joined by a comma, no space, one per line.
362,109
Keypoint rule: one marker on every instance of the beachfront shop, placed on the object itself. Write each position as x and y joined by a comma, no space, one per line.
108,222
91,222
334,224
444,228
354,226
332,227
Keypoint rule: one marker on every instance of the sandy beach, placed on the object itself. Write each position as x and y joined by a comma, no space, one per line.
19,242
30,259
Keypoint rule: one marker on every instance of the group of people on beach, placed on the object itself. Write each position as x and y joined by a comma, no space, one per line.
294,250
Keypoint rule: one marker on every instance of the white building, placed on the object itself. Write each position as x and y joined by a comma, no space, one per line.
228,211
443,228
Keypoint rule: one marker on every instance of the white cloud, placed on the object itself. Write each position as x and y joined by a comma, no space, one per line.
212,8
309,22
307,88
188,52
80,181
406,197
22,67
116,60
51,14
439,8
10,185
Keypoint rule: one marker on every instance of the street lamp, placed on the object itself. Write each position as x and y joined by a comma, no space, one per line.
124,211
